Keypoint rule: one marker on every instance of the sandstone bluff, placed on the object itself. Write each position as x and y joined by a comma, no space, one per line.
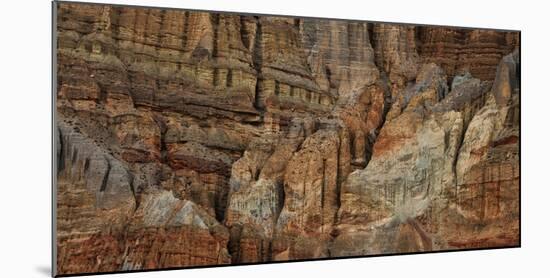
192,138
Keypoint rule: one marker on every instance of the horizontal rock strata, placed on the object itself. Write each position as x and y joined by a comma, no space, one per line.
190,138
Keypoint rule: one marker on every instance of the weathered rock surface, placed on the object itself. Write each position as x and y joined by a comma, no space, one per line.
458,50
101,228
439,178
191,138
256,194
169,232
311,188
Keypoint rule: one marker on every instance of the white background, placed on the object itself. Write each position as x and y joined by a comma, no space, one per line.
25,147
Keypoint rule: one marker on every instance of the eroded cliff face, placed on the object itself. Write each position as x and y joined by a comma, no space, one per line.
191,138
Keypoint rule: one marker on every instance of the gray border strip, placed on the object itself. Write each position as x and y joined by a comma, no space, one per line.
54,137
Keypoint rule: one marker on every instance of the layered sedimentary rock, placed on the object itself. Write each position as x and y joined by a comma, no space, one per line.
168,232
461,50
257,194
103,226
192,138
439,177
311,187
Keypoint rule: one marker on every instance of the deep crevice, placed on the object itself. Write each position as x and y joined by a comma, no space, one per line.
221,202
216,77
184,37
106,176
61,157
338,177
215,19
74,156
229,78
131,184
457,153
86,164
323,185
163,129
370,32
257,90
257,61
371,138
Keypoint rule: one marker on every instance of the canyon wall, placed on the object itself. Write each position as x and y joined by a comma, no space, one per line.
189,138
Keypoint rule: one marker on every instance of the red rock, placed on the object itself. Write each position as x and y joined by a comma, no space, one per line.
191,138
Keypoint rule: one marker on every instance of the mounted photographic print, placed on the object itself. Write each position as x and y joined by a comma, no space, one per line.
187,138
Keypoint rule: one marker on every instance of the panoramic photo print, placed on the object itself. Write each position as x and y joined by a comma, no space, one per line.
194,138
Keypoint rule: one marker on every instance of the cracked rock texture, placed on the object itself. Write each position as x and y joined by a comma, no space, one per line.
192,138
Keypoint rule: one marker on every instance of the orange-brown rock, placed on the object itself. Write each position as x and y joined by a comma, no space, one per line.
169,232
439,178
458,50
311,187
189,138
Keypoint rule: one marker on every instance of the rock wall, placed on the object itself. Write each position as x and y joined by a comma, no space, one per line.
192,138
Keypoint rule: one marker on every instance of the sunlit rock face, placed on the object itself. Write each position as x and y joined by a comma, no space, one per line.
191,138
